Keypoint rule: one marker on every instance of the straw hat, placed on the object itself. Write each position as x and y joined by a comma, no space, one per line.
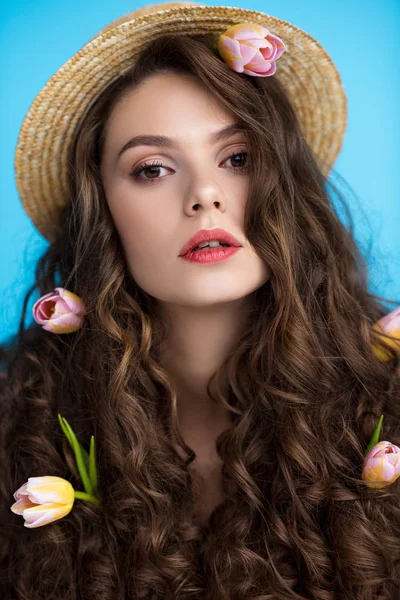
305,69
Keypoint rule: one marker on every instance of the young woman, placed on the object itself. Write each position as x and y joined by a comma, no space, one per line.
231,391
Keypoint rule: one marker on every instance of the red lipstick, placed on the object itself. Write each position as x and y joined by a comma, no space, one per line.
207,235
211,255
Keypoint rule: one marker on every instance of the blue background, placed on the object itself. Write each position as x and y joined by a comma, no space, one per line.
362,37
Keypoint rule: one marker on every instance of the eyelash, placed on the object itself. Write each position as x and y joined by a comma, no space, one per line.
137,171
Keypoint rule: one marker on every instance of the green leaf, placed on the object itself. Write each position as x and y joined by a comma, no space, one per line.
77,448
65,430
92,465
85,455
375,436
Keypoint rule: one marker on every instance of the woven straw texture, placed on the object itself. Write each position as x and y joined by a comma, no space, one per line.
305,69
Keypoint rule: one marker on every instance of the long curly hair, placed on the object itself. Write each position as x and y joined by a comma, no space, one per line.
305,393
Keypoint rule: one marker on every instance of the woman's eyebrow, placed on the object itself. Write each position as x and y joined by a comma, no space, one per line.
166,142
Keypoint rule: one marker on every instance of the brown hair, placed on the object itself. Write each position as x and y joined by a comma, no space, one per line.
305,391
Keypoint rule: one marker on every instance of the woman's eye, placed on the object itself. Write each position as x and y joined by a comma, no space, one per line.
236,166
152,168
146,167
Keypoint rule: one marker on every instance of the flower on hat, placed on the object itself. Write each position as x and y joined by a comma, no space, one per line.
42,500
382,461
251,49
390,326
60,311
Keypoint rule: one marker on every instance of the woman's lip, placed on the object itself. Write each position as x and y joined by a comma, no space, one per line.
210,255
205,235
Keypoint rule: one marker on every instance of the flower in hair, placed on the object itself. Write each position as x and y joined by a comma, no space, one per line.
389,326
382,461
60,311
251,49
42,500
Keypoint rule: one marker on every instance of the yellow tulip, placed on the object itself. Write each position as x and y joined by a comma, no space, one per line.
390,326
42,500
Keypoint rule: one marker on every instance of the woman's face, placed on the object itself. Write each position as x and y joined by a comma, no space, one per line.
199,186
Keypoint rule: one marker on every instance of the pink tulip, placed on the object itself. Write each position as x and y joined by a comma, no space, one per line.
42,500
251,49
381,465
60,311
389,325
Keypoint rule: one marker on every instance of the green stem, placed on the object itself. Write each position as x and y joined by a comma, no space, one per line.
375,436
87,484
87,497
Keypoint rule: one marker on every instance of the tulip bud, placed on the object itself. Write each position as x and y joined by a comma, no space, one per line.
60,311
251,49
390,326
381,465
42,500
